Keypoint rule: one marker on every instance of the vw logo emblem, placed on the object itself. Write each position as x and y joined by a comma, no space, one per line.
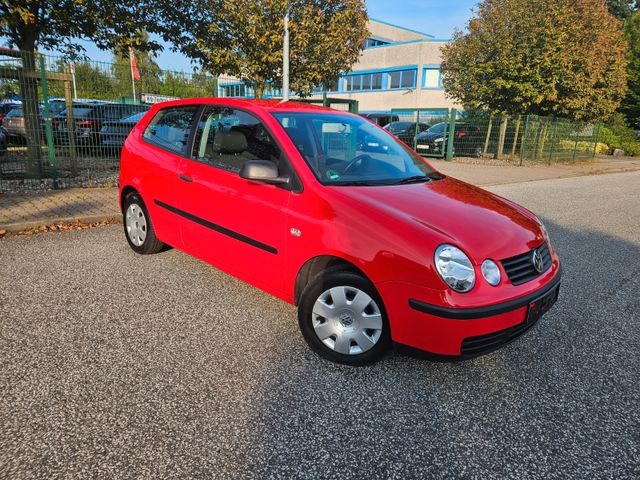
538,263
346,320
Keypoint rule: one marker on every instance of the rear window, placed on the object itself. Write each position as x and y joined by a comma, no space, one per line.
78,112
170,128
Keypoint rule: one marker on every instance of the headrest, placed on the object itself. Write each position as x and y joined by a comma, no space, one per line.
229,142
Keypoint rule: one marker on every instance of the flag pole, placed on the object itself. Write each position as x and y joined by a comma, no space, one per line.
133,82
285,59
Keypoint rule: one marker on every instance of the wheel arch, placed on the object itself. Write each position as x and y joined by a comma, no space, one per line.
320,263
126,191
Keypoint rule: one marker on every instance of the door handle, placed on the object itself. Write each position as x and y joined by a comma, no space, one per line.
186,179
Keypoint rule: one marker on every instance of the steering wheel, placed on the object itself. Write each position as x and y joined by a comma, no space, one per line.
360,158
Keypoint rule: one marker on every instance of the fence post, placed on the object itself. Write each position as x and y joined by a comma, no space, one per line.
452,131
515,137
47,124
597,139
523,145
71,127
575,147
486,140
553,138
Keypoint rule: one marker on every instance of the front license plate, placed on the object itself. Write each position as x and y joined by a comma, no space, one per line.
541,305
423,147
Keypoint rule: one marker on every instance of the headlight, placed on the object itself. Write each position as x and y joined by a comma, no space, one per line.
491,272
544,230
455,268
438,140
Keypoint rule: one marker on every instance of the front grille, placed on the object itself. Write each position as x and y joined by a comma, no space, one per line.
474,346
520,268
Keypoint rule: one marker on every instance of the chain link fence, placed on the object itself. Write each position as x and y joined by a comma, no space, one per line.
518,139
64,123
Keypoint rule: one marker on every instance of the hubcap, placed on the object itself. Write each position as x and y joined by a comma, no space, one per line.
347,320
136,224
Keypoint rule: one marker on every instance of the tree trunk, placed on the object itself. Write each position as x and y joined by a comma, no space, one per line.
31,112
501,137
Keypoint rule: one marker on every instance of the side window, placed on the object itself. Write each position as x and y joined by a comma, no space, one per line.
170,128
226,138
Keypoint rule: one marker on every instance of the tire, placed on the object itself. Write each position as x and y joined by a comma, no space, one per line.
138,229
342,335
477,152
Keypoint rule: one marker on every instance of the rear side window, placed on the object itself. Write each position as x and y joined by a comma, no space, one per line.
170,128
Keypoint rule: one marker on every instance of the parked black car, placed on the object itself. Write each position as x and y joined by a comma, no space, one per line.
6,107
467,140
4,139
88,120
381,119
406,131
114,133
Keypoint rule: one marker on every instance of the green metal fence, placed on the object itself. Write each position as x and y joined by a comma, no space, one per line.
517,139
66,121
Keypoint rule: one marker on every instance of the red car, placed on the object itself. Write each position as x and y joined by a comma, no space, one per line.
373,247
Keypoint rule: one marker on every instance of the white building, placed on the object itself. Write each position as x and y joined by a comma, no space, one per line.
399,68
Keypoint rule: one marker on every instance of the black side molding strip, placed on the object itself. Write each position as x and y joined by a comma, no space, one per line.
482,312
218,228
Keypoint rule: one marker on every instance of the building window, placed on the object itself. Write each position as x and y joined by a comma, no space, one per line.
234,90
402,78
374,42
432,78
364,82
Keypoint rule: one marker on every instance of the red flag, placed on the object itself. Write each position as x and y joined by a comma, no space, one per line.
134,68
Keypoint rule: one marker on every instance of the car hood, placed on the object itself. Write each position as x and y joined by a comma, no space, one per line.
482,223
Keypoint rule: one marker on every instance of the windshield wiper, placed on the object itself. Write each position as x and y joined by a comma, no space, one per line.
414,179
354,183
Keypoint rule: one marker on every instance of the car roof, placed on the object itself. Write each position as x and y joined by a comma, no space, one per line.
255,104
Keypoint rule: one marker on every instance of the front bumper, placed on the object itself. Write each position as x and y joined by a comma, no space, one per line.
458,333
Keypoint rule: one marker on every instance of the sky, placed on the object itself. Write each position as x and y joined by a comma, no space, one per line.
436,17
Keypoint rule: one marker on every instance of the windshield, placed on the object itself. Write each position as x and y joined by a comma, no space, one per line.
346,150
398,126
438,128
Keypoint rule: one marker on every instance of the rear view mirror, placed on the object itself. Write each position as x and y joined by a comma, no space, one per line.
262,171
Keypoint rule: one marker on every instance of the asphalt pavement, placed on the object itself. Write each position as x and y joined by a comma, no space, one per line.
114,365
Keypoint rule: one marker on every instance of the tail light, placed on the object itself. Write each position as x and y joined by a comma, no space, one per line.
90,124
461,134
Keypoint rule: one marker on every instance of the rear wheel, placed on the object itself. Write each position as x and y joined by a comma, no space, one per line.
343,319
138,227
477,152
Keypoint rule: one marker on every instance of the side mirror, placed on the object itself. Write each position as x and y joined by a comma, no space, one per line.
262,171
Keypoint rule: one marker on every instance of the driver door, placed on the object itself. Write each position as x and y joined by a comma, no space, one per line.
234,223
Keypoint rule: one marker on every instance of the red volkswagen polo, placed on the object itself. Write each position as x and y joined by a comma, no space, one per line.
374,246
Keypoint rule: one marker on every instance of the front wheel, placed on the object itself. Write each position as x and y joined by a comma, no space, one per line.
137,226
343,319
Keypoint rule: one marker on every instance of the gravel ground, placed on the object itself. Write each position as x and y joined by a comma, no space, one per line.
114,365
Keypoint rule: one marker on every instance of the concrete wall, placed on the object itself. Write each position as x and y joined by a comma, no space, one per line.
394,33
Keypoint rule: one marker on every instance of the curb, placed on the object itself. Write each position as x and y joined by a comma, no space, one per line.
18,227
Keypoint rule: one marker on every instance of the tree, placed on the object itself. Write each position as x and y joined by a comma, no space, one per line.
545,57
55,24
623,9
326,38
631,103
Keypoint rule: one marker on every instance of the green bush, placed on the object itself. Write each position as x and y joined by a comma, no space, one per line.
618,135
